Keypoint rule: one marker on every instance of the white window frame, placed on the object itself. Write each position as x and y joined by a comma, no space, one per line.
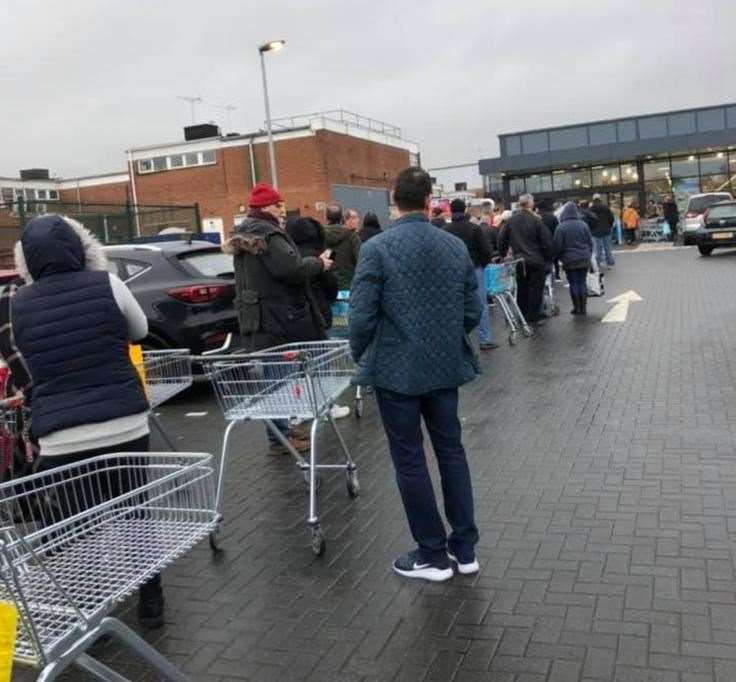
199,156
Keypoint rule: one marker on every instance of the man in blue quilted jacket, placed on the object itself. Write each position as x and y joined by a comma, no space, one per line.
413,303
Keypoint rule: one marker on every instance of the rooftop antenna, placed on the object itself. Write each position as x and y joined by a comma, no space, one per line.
193,101
229,108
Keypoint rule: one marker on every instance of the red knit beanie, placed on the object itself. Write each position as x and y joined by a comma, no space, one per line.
263,195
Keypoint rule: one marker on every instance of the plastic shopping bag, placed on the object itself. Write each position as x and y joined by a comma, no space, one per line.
594,279
666,229
135,351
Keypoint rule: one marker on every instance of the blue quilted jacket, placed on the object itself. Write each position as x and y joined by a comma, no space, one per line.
413,302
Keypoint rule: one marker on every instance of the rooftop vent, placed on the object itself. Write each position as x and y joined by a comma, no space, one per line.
201,131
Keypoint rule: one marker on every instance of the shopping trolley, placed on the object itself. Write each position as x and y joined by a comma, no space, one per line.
80,538
295,381
501,286
165,374
339,330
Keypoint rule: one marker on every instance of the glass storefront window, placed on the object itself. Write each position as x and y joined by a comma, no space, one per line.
685,167
654,170
710,119
606,175
494,183
568,138
715,183
683,189
629,173
602,133
539,183
562,181
513,145
712,164
681,124
581,178
651,127
516,186
626,131
655,191
534,143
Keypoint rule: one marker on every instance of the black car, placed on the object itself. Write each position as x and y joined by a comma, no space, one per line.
185,288
719,228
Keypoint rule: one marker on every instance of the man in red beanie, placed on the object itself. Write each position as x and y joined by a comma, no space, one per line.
272,296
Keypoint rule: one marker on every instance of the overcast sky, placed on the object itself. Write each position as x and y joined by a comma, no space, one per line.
83,80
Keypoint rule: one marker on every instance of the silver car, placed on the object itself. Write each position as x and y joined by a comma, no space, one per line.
696,207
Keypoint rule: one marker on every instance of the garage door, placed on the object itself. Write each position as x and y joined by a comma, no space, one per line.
363,199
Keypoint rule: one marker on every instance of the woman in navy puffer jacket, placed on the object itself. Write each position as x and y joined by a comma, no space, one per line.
574,247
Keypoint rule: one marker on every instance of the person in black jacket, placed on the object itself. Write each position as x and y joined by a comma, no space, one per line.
273,297
479,250
574,247
530,240
371,227
671,215
601,231
550,220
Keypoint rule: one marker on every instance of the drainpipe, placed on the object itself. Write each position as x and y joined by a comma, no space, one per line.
131,173
252,162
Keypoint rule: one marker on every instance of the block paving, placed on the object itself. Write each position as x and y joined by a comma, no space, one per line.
605,487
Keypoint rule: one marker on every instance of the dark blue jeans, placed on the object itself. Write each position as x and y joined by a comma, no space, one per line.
577,280
402,416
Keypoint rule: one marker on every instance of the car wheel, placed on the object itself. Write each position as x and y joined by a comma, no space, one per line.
705,250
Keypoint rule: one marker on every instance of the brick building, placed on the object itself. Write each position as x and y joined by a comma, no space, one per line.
322,157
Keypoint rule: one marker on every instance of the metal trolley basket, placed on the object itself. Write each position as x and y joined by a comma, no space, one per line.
166,373
296,381
501,286
80,538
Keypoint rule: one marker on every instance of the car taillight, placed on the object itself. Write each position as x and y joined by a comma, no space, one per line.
692,214
199,293
215,340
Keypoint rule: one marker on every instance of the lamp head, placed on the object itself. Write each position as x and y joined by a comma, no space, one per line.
272,46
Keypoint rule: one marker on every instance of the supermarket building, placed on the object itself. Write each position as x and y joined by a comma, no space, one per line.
634,159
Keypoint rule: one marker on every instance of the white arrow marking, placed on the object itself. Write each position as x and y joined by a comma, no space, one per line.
621,308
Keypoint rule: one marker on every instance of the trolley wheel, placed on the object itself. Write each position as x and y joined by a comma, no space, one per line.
353,484
213,541
527,331
512,338
358,408
318,541
555,310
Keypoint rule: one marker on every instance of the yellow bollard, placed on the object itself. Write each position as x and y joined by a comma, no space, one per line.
8,625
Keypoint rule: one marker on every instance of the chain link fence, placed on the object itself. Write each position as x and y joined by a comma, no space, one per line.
110,223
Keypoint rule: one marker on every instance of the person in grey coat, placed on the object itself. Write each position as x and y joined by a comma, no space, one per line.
413,303
574,247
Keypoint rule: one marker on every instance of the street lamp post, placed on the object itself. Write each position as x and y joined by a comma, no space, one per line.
273,46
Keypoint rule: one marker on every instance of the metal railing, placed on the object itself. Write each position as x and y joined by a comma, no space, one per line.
341,116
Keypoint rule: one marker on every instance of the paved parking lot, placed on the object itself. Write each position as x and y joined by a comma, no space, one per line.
605,483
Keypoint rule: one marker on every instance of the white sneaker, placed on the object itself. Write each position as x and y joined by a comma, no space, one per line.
339,411
465,569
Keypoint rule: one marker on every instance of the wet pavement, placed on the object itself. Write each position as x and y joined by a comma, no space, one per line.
605,486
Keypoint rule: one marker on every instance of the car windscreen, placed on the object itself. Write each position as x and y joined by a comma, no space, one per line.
720,212
699,204
210,263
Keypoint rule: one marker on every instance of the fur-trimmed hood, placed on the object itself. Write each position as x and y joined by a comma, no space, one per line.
251,236
52,244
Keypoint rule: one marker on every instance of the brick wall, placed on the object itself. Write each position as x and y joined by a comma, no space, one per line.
111,193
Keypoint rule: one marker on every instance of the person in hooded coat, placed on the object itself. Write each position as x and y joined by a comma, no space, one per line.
574,247
72,322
